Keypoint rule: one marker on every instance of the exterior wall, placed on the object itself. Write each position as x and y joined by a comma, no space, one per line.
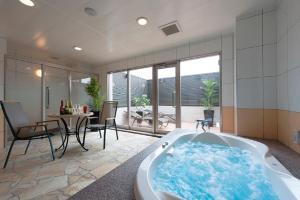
2,53
256,94
288,71
222,44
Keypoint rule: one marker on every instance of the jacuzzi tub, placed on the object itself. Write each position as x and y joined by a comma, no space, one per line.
282,182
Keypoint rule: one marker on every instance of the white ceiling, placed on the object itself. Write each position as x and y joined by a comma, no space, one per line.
57,25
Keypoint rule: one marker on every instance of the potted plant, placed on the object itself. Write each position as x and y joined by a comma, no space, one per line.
93,89
140,102
210,97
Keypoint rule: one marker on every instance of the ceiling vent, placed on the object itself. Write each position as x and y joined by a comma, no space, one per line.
170,28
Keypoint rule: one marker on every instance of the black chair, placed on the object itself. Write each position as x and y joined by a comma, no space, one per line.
107,120
22,129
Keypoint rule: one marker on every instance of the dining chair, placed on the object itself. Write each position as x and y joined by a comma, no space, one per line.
107,119
21,128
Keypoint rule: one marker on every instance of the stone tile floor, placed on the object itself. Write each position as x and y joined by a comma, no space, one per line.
36,176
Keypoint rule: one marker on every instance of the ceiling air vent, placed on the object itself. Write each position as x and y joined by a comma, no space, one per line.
170,28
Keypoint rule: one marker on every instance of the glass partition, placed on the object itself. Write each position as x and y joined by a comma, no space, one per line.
23,83
78,83
56,89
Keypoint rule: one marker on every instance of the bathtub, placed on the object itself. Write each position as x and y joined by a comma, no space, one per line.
283,183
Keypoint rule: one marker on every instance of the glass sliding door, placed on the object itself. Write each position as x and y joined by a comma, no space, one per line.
56,89
118,91
166,98
140,90
200,91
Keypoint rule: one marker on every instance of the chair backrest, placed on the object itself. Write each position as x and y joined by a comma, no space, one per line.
14,115
109,111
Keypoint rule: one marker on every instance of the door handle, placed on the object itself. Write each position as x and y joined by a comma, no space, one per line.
47,97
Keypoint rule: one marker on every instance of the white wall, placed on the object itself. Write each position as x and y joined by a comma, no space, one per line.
288,57
256,61
228,71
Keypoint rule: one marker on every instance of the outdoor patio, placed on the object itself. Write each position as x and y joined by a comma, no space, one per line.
189,115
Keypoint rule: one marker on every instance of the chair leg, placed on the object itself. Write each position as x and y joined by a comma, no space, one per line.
8,154
29,141
116,129
100,133
197,125
104,137
51,146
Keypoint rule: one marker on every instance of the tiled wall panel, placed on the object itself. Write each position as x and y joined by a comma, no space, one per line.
250,93
269,60
249,32
249,62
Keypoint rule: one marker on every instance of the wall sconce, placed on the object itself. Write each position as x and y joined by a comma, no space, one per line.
38,73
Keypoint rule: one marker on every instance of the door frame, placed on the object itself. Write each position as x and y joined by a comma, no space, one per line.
155,91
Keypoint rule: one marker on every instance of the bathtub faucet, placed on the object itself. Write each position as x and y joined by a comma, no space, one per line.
164,145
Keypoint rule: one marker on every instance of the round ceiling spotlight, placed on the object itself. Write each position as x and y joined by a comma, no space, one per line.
77,48
29,3
90,11
142,21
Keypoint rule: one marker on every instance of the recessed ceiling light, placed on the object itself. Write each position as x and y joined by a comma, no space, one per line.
142,21
29,3
77,48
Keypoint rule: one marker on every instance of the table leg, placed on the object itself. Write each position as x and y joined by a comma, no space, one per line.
78,131
66,137
63,143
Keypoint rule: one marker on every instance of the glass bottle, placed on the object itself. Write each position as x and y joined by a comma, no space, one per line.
61,109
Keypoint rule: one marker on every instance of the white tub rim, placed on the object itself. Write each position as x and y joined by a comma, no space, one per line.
143,184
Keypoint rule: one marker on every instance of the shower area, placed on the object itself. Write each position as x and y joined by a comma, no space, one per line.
40,87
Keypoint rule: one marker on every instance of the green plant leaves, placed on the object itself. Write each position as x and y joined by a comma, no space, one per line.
93,89
141,102
210,94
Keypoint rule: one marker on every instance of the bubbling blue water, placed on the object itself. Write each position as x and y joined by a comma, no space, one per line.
205,172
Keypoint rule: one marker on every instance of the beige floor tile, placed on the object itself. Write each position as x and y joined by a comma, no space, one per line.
36,176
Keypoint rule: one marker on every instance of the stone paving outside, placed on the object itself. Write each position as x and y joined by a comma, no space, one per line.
36,176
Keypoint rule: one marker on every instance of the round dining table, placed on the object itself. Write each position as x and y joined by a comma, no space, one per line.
81,118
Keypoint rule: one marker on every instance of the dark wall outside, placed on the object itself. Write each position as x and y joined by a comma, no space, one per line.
139,87
191,93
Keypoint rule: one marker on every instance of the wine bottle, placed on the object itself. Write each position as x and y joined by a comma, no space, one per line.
61,109
70,107
66,108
